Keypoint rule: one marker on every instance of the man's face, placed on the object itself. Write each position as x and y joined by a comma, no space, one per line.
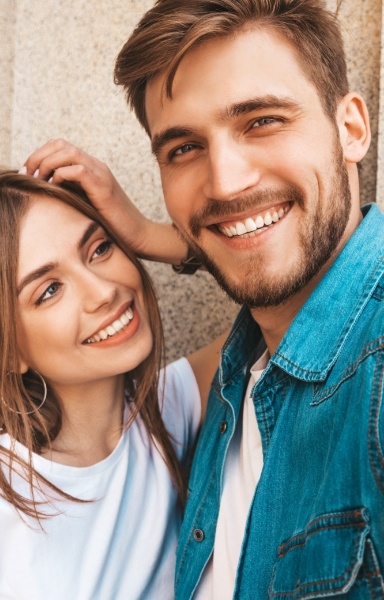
252,169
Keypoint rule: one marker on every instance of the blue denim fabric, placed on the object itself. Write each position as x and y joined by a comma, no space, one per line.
316,524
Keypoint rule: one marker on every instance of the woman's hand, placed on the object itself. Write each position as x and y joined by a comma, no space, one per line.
59,161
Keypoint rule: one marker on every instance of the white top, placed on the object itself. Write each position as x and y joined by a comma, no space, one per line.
122,546
241,474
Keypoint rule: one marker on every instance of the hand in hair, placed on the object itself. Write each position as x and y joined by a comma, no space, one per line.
60,161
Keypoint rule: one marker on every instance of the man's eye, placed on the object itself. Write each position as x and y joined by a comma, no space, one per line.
49,292
102,248
264,121
183,150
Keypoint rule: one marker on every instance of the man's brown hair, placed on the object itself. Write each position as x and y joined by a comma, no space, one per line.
172,27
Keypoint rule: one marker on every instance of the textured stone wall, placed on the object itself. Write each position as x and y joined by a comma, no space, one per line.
361,24
56,64
380,143
8,74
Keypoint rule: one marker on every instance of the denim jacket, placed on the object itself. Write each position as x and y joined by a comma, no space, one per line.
316,523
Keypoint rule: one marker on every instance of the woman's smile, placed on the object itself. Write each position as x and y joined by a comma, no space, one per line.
78,291
118,331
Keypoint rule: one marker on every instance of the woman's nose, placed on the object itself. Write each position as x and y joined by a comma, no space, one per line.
97,291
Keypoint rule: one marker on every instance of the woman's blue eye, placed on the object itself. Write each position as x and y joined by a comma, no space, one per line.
51,290
103,248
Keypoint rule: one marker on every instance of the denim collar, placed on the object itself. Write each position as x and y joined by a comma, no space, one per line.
244,337
315,337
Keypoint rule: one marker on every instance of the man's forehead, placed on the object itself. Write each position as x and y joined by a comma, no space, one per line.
226,71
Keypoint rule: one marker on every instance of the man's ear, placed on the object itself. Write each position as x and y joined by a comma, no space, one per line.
354,129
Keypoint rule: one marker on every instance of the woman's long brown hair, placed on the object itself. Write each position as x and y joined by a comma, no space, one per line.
20,395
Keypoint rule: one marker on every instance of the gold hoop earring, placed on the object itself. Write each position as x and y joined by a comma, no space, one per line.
30,412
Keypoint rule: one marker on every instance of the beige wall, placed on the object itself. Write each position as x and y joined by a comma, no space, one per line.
7,61
56,65
361,22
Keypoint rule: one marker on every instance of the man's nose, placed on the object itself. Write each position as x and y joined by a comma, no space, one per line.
231,171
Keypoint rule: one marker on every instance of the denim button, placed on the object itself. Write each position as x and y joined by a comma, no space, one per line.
223,426
198,535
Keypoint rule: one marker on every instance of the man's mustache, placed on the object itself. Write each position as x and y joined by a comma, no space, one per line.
219,209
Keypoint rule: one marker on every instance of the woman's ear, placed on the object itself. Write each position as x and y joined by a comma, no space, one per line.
354,129
23,367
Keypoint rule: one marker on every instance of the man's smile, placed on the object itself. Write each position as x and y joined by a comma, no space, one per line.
250,226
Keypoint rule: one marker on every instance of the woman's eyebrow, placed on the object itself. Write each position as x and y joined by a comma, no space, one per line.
92,227
44,269
36,274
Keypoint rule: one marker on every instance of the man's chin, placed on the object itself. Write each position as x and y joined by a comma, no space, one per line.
257,290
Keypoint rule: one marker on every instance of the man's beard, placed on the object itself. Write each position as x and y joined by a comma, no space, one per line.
318,241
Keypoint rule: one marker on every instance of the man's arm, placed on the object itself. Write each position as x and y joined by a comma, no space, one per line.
204,363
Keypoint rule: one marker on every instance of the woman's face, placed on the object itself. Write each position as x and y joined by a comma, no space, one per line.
82,315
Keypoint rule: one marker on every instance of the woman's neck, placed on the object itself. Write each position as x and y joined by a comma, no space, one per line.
92,418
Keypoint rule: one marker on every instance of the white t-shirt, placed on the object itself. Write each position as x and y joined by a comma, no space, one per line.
242,472
120,547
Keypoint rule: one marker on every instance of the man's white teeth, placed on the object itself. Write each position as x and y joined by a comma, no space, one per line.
240,228
112,329
249,225
259,222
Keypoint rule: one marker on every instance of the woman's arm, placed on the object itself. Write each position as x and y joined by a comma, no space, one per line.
60,161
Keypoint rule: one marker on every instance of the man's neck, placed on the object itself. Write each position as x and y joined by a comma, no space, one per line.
274,321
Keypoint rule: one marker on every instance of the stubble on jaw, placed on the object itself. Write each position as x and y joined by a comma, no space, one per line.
318,240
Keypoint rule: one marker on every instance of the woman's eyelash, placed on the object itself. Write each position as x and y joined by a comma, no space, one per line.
52,289
103,247
42,298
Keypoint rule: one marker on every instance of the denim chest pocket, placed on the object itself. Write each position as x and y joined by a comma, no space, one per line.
333,557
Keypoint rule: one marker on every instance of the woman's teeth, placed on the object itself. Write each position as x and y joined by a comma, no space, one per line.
112,329
250,226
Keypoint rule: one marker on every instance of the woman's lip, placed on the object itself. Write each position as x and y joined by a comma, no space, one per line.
111,318
121,336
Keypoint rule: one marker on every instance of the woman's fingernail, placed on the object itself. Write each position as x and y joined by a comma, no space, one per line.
36,173
23,170
50,179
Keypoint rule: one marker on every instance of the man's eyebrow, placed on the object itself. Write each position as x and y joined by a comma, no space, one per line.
45,269
268,102
237,109
168,135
